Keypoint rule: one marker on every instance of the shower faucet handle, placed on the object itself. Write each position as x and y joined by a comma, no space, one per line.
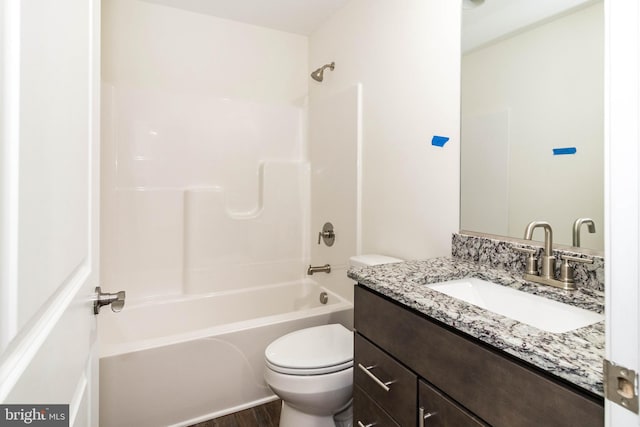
327,234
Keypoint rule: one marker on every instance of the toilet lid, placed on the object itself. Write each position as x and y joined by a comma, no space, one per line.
312,351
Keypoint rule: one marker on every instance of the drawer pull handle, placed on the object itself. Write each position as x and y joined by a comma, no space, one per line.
363,425
367,370
422,416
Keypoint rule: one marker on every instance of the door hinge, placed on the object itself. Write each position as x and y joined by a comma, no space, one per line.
621,386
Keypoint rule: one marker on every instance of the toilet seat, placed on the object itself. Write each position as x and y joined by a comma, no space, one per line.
312,351
309,371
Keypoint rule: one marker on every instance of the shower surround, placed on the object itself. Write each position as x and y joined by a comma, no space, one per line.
205,175
202,193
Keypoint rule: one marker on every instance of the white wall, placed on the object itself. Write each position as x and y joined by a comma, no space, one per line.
204,169
334,150
406,54
550,80
153,46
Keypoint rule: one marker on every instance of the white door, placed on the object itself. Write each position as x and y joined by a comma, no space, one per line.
622,137
49,194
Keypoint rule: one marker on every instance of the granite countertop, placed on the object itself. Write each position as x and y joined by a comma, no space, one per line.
575,356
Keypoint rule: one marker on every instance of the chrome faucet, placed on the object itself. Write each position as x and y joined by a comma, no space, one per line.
548,260
576,229
547,274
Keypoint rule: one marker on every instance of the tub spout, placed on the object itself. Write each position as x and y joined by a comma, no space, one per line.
319,269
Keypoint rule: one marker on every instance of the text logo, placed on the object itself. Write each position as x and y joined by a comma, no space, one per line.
34,415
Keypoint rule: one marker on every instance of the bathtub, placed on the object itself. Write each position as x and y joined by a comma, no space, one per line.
179,361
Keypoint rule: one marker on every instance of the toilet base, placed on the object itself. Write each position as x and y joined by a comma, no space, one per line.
344,418
291,417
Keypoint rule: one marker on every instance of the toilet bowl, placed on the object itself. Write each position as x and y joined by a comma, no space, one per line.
311,370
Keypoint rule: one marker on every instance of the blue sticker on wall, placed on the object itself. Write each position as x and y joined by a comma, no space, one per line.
439,141
562,151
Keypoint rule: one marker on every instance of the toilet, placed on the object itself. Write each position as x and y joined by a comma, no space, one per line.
371,259
311,370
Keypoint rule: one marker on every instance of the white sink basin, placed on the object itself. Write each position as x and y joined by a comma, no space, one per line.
536,311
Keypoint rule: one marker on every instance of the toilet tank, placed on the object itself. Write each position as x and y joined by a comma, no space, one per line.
371,259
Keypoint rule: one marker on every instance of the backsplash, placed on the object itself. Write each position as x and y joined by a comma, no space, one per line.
499,253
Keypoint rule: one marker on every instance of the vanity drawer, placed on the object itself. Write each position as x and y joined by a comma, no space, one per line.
371,363
367,413
500,391
444,412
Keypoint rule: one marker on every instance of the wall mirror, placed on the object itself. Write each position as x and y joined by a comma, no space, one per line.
533,117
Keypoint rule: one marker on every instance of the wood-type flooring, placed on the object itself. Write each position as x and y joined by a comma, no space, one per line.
267,415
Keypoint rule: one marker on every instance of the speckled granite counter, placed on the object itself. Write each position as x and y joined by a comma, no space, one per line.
575,356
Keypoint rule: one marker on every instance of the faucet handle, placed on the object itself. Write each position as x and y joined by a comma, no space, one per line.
532,262
327,234
576,259
566,272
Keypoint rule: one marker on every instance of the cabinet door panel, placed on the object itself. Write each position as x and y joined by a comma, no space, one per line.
400,399
367,413
444,412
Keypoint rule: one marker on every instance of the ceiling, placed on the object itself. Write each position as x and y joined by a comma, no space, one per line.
293,16
496,19
493,20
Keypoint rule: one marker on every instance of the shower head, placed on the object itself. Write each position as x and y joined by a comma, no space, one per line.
317,75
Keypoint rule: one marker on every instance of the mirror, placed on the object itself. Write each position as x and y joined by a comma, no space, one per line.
533,118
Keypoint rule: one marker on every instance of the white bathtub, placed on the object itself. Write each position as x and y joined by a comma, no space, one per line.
185,360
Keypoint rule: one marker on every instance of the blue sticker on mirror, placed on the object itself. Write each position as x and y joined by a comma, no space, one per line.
439,141
566,150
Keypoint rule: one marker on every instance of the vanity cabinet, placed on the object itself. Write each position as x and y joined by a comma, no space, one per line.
453,379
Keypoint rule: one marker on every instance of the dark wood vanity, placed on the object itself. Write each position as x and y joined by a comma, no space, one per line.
411,370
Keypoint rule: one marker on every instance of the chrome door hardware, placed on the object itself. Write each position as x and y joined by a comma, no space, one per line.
104,298
367,425
422,416
621,386
367,370
327,234
319,269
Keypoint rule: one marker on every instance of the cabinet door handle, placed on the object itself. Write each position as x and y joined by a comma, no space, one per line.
367,425
422,416
367,370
